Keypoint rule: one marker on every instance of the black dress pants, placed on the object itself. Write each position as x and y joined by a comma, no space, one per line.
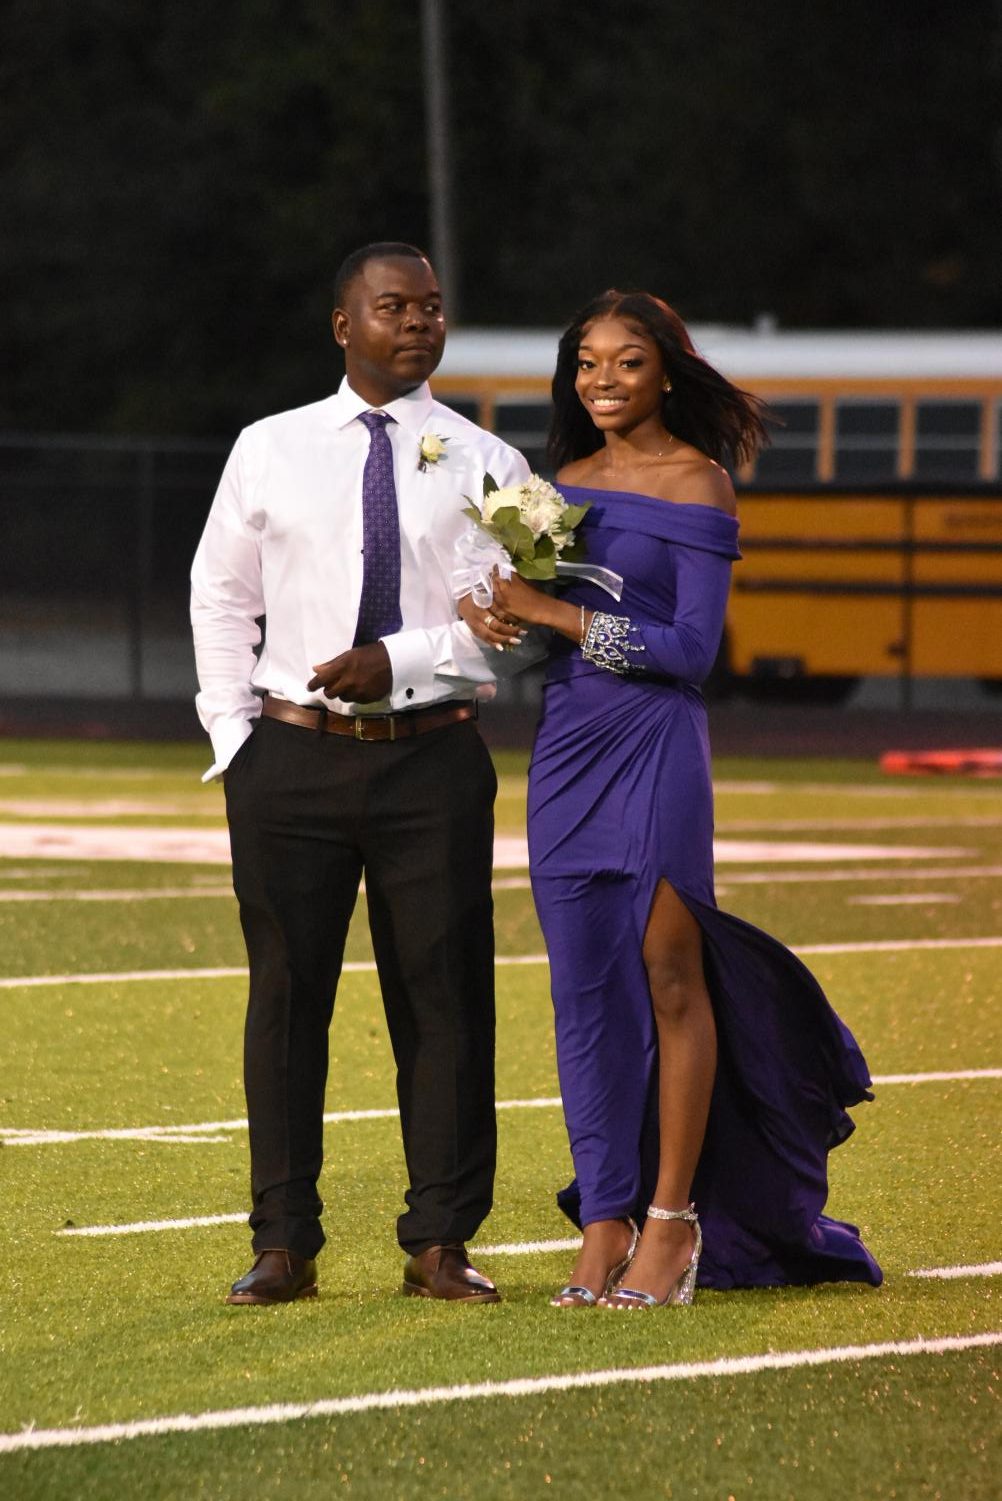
309,813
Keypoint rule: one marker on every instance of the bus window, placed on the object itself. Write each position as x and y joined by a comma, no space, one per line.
947,440
792,457
866,441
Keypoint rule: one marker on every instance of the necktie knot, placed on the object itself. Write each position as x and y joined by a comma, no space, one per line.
375,421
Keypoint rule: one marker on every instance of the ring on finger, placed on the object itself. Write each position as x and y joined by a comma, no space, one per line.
489,621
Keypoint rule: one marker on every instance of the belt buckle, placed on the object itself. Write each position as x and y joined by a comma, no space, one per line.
362,720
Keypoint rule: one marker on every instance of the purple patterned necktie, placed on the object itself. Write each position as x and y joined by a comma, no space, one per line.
379,606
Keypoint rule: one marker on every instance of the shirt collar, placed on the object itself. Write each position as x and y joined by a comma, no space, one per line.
411,411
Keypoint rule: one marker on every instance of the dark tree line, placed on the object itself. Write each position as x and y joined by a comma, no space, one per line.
180,182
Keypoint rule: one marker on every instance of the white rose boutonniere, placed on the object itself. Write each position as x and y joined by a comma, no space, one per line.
431,450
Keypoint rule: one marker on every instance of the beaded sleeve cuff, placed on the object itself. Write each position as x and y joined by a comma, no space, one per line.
611,644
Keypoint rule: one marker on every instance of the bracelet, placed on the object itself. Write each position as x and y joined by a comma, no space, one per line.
608,641
581,629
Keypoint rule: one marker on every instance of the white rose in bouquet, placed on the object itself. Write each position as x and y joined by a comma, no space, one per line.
542,508
497,499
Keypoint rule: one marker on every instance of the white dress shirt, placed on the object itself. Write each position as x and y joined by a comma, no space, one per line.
284,540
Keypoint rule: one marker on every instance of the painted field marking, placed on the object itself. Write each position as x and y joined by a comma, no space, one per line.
145,1227
939,1076
190,805
503,961
208,1131
175,893
944,873
897,945
834,825
208,1221
285,1412
20,1136
211,846
980,1269
144,894
858,789
903,899
516,883
97,773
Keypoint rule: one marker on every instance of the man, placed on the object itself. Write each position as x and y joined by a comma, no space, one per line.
348,747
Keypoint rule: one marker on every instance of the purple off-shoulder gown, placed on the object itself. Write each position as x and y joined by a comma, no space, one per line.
619,799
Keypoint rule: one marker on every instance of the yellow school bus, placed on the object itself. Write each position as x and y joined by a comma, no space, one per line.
871,528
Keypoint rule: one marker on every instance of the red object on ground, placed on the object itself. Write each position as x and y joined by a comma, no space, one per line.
965,763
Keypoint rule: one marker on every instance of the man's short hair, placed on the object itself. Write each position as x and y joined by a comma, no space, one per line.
357,261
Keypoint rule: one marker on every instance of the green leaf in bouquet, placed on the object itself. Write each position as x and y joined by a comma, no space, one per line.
519,541
575,552
571,516
490,485
506,516
545,548
536,568
473,514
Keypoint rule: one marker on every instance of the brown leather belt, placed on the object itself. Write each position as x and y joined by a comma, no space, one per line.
369,726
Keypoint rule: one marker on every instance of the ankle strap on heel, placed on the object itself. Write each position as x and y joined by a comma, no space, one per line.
688,1215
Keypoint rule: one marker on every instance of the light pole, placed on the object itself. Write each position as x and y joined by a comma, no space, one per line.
434,46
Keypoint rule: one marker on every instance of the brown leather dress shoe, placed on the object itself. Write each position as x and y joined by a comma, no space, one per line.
276,1277
445,1272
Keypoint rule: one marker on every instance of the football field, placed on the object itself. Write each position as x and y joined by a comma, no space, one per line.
123,1164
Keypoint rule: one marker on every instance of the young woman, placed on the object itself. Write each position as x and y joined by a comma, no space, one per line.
700,1064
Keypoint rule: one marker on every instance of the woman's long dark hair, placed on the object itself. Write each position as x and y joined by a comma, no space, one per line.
702,408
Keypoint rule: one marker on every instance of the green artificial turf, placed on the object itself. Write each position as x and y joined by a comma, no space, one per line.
125,1327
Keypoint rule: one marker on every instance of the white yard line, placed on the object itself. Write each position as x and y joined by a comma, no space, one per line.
904,899
146,894
897,945
96,773
387,1401
948,1273
212,1131
19,1136
145,1227
940,873
224,972
109,977
940,1076
522,883
190,805
55,841
835,825
915,788
208,1221
503,961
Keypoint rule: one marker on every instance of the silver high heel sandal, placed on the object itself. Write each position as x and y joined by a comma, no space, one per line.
683,1289
583,1296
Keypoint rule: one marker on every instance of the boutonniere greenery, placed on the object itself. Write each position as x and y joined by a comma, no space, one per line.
431,450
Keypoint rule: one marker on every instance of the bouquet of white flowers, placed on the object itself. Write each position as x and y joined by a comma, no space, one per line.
532,522
528,529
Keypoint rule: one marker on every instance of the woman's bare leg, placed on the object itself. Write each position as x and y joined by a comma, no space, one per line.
687,1049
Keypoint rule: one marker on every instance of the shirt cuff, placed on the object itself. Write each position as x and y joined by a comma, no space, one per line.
227,738
413,668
